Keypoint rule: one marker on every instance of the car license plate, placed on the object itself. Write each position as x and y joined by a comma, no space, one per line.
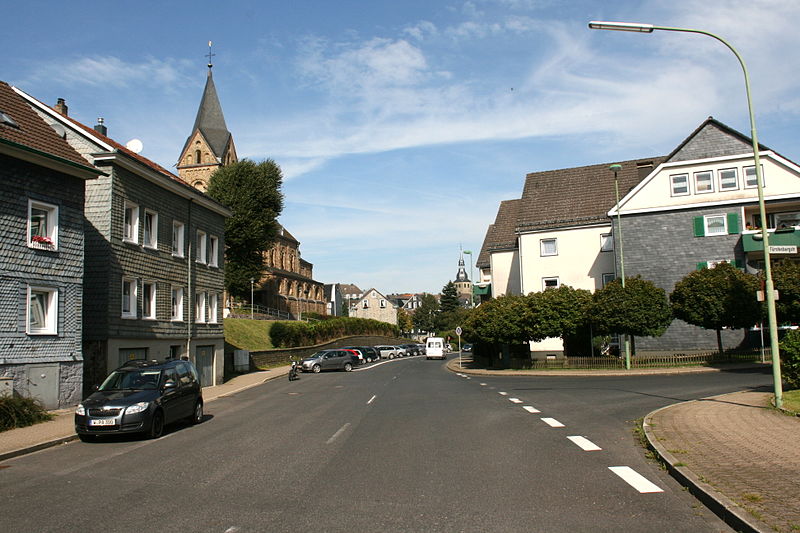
102,422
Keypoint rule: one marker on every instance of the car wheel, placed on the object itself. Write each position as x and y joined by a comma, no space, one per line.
197,416
369,359
348,367
391,356
156,426
316,368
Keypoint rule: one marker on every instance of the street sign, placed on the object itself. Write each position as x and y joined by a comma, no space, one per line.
458,330
783,249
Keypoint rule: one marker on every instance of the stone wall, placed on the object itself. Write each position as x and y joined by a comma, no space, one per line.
282,355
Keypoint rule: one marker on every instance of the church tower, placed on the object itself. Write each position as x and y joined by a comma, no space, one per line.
210,145
462,283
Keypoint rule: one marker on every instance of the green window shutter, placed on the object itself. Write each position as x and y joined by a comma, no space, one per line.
699,227
701,266
733,223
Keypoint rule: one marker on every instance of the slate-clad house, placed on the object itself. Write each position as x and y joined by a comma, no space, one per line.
42,182
154,260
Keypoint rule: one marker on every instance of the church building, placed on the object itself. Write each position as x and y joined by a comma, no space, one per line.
463,284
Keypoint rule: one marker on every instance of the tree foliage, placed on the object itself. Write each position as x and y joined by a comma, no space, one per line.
253,192
502,320
640,309
790,359
786,277
404,321
425,315
558,312
449,300
716,298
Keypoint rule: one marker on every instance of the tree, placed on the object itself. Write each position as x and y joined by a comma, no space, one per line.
716,298
253,192
502,320
449,300
786,276
404,321
640,309
425,316
560,312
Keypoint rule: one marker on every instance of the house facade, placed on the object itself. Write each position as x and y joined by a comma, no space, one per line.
154,260
376,306
42,184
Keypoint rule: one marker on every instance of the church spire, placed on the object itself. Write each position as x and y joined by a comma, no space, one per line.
462,272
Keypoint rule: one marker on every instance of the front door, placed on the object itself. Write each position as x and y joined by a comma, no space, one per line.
204,362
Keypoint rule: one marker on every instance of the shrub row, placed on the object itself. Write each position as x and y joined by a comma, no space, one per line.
18,412
295,333
790,359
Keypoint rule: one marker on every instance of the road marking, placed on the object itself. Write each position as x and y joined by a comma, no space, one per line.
585,444
552,422
515,400
483,384
635,479
531,409
371,399
501,393
336,435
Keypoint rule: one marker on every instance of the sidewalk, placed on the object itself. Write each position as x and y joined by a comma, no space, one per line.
62,428
737,454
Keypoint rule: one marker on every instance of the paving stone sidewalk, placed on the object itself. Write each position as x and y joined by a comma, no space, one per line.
742,456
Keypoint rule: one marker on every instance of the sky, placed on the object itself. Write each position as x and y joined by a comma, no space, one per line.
401,125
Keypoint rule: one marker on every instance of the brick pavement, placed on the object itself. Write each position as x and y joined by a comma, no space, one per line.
738,450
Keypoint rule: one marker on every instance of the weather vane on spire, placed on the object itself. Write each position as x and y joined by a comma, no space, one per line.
210,55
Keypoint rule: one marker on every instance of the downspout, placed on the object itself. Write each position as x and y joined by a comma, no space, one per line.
519,260
189,301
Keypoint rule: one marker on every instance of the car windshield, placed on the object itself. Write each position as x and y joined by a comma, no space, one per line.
132,380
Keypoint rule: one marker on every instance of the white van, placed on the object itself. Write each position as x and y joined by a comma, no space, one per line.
434,348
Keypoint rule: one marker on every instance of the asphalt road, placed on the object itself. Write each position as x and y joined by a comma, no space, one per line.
396,447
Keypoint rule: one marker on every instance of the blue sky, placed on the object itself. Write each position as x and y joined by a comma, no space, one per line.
400,126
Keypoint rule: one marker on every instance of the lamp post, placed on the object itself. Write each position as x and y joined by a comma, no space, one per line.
770,286
252,281
472,280
615,169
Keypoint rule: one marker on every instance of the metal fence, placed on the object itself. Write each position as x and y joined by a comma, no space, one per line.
259,312
648,360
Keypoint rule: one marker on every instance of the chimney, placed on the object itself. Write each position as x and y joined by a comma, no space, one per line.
61,107
100,127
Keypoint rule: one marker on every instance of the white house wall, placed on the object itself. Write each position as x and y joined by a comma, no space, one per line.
505,273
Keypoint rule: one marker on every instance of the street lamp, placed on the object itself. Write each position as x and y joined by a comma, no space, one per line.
471,295
770,286
252,281
615,169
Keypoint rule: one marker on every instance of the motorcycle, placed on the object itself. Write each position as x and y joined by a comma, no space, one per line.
293,372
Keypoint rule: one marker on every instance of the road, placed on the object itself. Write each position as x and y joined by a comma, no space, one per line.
395,447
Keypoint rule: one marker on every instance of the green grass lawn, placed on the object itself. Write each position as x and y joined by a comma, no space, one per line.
244,334
791,400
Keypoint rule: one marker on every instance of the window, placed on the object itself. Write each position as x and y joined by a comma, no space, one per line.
548,247
365,304
130,231
149,300
728,179
42,316
212,308
177,304
679,184
177,238
608,278
606,243
550,283
716,225
201,247
150,229
786,220
383,304
213,251
703,182
42,225
200,307
750,178
128,298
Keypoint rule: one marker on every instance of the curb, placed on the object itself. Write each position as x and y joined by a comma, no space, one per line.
722,506
69,438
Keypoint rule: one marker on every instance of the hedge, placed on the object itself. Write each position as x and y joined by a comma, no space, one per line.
297,333
790,359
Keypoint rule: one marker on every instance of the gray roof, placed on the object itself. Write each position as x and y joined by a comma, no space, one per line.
210,120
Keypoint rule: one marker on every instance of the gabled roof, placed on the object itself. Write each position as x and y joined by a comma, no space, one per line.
712,139
500,236
30,131
210,120
577,196
349,288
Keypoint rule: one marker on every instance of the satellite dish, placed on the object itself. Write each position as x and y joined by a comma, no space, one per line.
59,129
134,145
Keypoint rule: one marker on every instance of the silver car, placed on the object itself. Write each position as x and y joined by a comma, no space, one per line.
328,360
387,352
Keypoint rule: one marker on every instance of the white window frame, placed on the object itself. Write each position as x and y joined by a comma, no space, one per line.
542,251
200,253
685,176
749,172
706,219
200,307
176,304
606,242
213,306
365,304
178,238
722,171
131,298
213,251
149,306
130,230
51,223
150,237
700,173
550,278
49,309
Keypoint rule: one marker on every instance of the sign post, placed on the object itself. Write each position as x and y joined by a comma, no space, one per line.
458,332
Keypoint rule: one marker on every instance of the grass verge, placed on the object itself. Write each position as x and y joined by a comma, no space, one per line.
245,334
791,401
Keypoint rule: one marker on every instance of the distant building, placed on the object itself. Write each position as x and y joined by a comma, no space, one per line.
463,284
374,305
334,300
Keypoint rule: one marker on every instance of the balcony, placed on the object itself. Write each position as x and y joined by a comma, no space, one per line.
781,241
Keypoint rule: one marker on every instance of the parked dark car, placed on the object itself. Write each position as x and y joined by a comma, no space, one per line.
340,359
368,353
466,348
411,349
359,357
142,397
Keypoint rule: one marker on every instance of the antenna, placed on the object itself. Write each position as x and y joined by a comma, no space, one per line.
209,55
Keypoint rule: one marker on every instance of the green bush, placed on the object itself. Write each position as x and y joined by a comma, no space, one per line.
296,333
790,359
17,412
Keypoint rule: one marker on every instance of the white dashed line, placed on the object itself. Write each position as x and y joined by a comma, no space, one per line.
635,479
501,393
531,409
552,422
336,435
371,399
515,400
585,444
483,384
